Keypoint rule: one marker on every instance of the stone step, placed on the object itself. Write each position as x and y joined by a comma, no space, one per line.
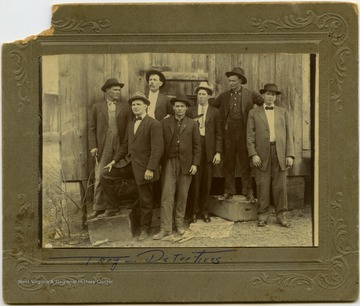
235,209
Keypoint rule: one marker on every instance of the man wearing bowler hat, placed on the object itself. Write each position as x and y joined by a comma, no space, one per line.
271,149
234,106
107,127
139,157
182,154
209,124
160,105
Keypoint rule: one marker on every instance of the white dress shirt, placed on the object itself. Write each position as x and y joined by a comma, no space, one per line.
271,122
137,123
153,96
202,110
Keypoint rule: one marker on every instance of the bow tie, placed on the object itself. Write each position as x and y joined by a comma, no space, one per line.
138,118
269,107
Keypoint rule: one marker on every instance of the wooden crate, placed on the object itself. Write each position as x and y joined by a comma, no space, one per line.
235,209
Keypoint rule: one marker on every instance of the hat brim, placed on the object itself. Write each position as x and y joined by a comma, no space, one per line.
265,90
132,99
208,89
173,100
230,73
106,86
161,76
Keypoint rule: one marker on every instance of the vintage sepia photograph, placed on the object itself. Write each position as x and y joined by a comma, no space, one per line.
182,153
179,150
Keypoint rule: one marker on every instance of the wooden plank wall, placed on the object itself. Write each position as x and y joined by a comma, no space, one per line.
80,79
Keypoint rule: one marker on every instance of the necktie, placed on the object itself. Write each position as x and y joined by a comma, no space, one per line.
138,118
202,125
269,107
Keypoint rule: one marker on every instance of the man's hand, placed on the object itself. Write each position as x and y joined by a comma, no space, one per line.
110,165
216,159
149,175
193,170
256,161
289,162
94,152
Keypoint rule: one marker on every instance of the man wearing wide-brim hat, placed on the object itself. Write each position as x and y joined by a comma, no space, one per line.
138,157
271,149
107,126
234,106
160,106
182,154
209,124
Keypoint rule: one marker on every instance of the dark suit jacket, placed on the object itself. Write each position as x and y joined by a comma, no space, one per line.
249,98
213,132
163,106
190,143
258,136
99,122
144,149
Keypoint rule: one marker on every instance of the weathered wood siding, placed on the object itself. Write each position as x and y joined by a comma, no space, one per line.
80,79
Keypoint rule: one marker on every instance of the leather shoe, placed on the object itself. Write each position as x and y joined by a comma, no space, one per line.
160,235
284,223
143,235
226,196
250,197
107,214
193,218
261,223
206,218
181,230
94,214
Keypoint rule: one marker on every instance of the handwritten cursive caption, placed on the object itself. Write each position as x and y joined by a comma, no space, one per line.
154,256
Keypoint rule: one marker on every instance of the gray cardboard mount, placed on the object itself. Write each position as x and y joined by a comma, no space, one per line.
328,272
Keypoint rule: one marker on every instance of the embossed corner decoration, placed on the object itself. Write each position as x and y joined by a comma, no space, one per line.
72,24
22,228
337,29
335,270
20,75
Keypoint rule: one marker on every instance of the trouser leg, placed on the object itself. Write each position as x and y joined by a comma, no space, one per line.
146,205
168,194
263,179
109,180
182,189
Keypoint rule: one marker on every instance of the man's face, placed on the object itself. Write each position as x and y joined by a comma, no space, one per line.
180,108
154,82
269,97
138,107
113,93
202,97
235,82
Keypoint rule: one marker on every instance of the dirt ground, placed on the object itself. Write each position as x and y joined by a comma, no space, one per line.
62,221
218,233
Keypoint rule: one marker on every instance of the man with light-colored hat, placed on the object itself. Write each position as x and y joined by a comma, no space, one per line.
160,105
139,157
182,154
270,146
234,106
107,127
209,124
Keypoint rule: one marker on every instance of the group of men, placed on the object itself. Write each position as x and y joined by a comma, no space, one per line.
170,148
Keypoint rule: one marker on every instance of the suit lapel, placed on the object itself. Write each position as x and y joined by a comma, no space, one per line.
119,107
104,110
209,113
184,124
262,115
140,127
